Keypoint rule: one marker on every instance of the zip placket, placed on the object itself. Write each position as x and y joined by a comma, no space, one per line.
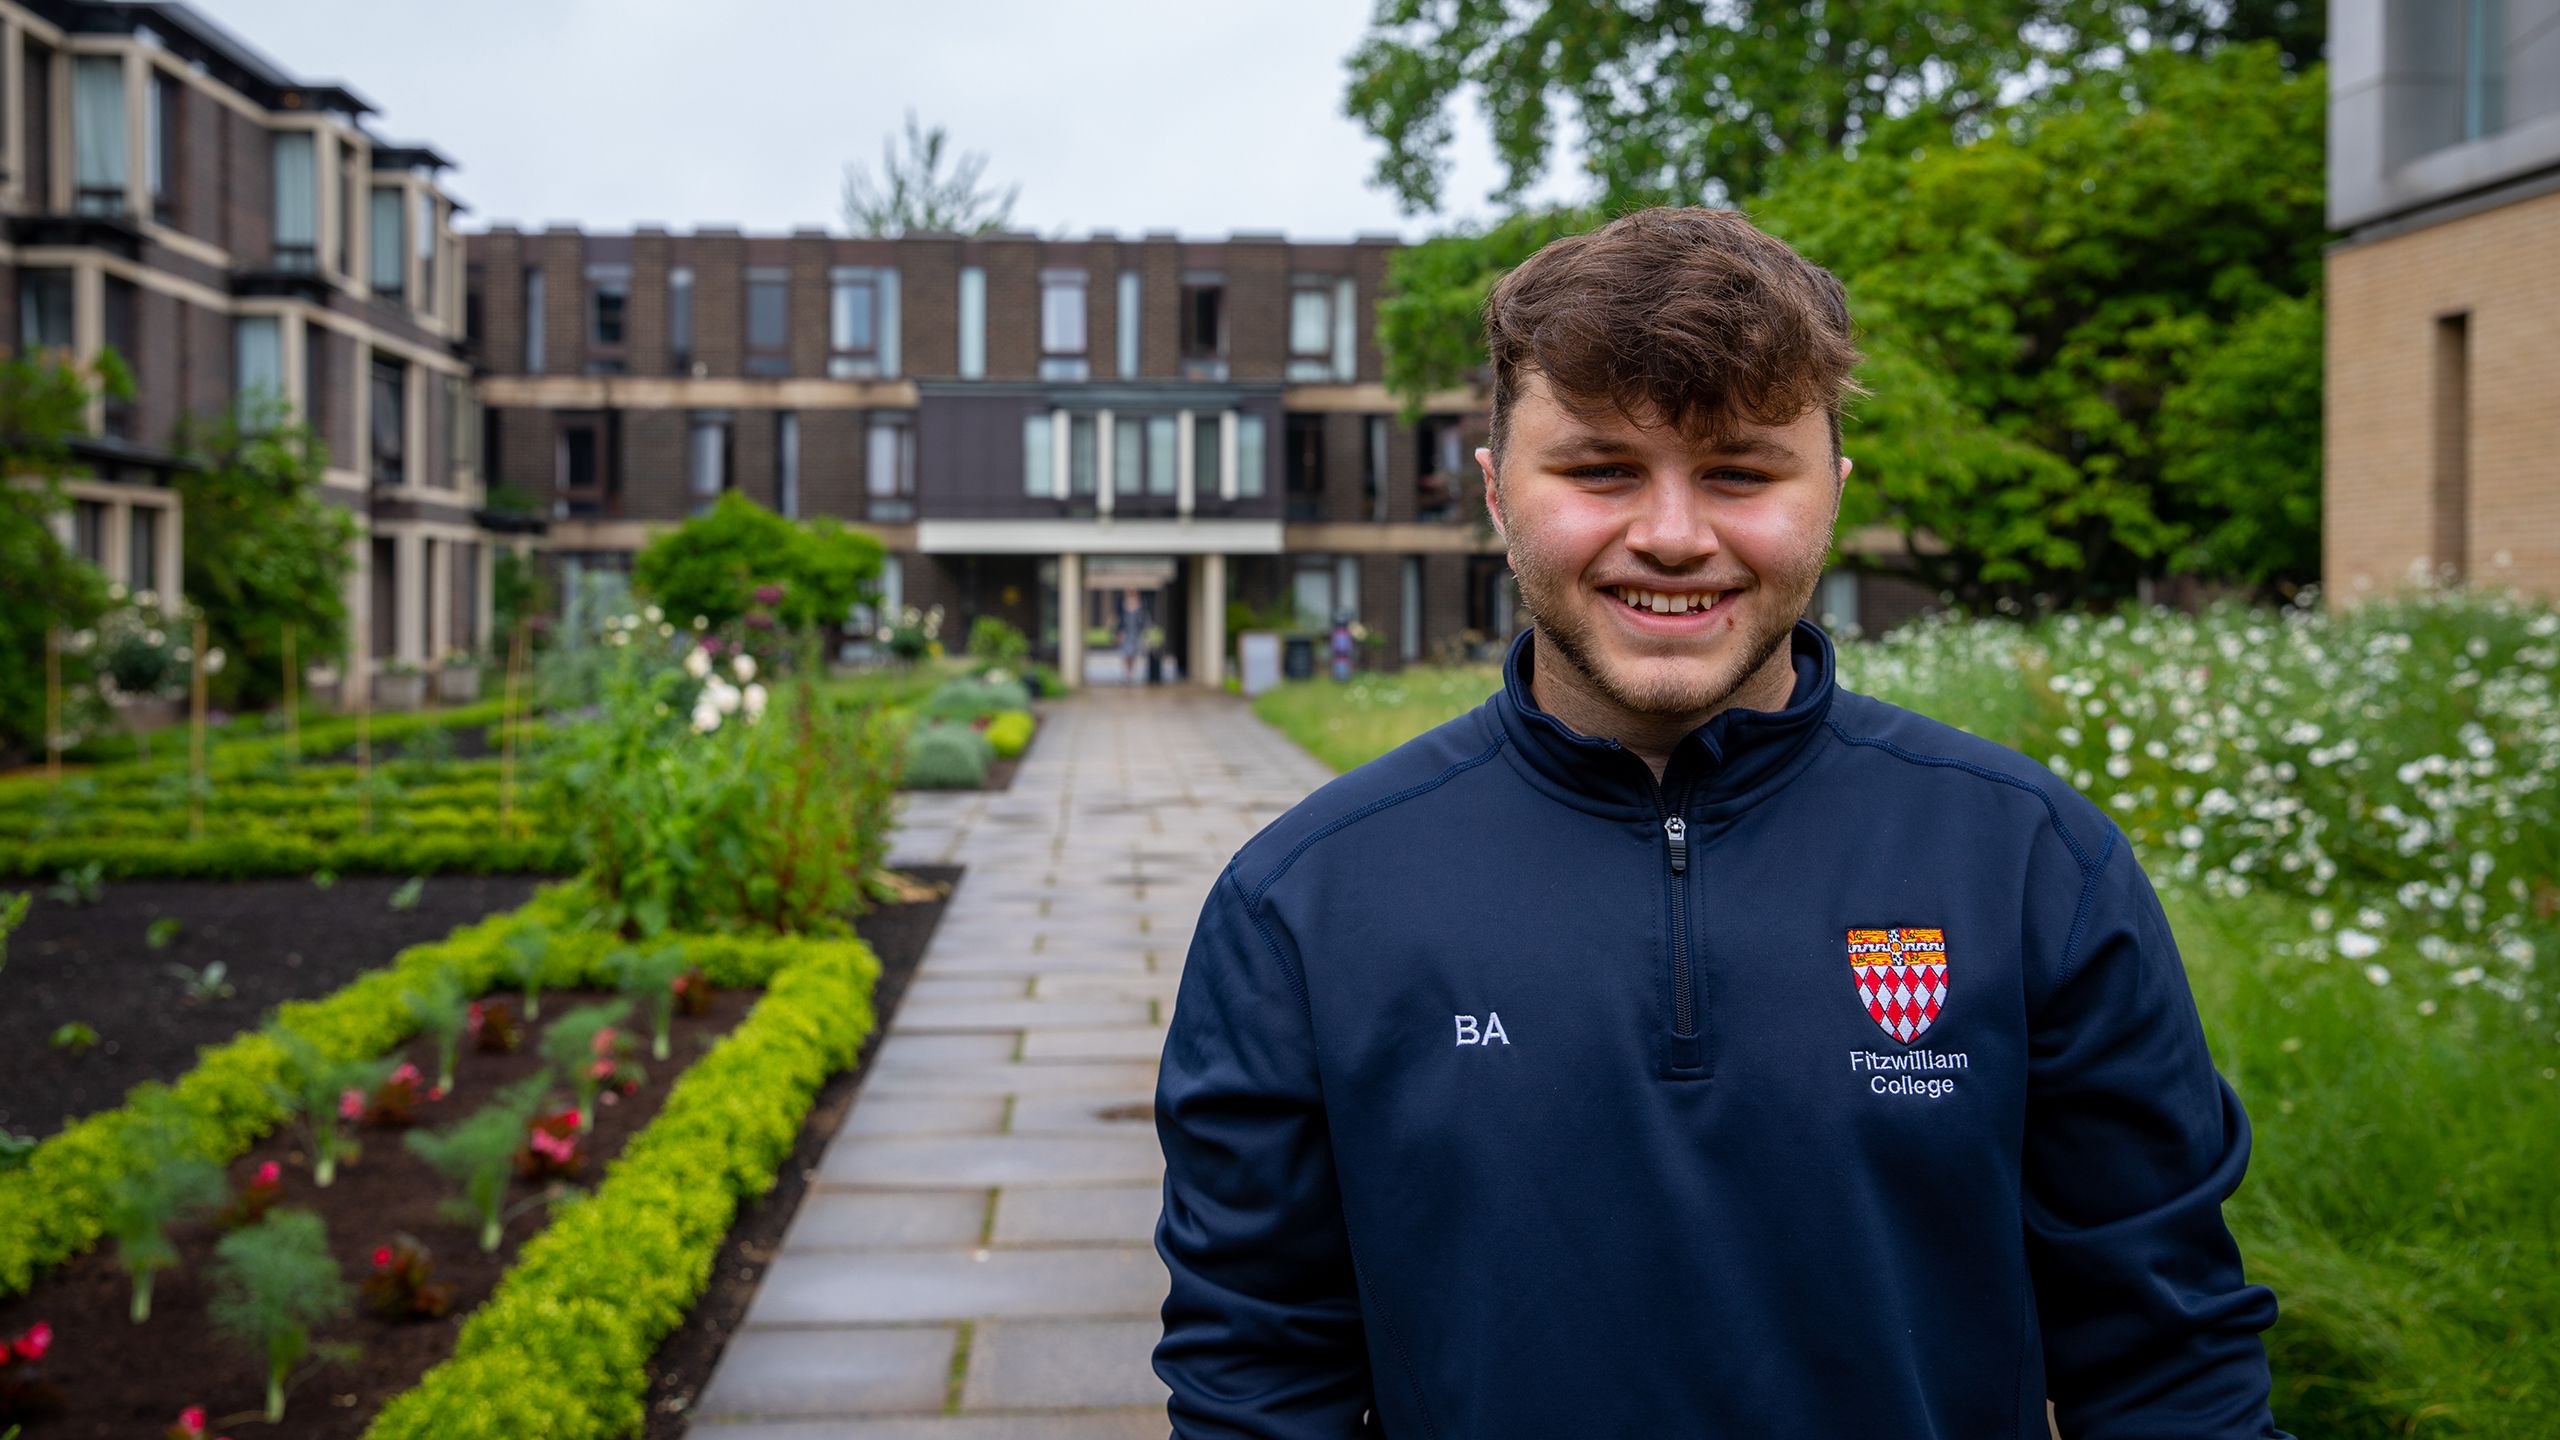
1684,1054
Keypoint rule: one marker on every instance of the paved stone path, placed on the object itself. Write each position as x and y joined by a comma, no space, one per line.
976,1259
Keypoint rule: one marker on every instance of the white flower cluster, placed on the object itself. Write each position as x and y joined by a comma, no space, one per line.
719,699
2406,751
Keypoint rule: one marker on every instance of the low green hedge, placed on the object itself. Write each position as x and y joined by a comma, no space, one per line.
1009,733
561,1348
947,755
463,842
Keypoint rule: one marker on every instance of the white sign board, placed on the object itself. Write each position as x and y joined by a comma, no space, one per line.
1259,651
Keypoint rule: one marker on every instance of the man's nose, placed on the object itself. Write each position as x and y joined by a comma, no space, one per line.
1671,526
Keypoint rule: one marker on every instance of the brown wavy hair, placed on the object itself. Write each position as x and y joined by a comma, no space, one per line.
1690,314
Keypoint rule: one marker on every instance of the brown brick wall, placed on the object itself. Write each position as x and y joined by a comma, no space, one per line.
498,257
831,457
158,393
562,256
645,313
205,353
654,472
526,454
336,405
202,135
1013,308
752,454
1370,270
1346,462
246,188
2502,268
719,261
1257,310
929,308
1159,265
812,302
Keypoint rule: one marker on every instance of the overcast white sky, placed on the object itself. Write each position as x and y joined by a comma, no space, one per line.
1200,116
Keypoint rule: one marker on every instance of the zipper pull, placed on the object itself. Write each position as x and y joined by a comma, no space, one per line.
1678,833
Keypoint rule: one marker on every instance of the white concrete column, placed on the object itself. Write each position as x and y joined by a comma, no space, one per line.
409,624
1209,621
1071,620
137,135
89,333
1227,454
1059,440
1103,481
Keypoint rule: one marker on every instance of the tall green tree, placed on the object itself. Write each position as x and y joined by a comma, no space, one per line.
912,192
713,564
1693,101
44,402
264,546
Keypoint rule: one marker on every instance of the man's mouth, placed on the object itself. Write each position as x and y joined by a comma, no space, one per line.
1667,602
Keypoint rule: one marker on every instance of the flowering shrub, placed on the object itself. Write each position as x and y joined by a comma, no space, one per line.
393,1103
191,1426
492,1027
252,1201
22,1395
551,1149
694,810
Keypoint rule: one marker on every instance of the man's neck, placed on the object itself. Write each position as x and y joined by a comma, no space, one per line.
1569,695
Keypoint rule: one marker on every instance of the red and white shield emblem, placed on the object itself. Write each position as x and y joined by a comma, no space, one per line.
1901,977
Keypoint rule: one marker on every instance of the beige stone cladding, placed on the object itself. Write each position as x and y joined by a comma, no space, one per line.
2459,319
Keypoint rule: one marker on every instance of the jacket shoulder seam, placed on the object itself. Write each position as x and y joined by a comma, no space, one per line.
2090,866
1253,900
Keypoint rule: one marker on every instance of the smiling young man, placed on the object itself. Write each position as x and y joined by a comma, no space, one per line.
1679,1044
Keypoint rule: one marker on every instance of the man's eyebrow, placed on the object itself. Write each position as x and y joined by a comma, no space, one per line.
1588,443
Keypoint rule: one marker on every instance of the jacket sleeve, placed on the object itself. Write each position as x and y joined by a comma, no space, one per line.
1262,1329
2133,1142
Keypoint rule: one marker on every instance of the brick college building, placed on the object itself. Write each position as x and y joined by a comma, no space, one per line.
2443,418
234,232
1031,426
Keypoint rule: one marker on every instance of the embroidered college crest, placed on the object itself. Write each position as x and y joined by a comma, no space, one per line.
1901,977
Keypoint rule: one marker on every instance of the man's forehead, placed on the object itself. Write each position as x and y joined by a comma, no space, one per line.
1589,425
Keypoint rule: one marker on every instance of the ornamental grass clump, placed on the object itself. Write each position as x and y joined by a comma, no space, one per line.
327,1094
442,1011
478,1153
946,755
272,1282
577,1045
144,1201
649,978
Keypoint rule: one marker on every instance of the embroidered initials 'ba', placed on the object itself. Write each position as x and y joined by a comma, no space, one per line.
1468,1034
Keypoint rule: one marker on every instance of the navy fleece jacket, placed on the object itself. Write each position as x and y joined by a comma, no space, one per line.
1845,1083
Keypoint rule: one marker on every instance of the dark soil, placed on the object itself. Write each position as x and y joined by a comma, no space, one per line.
96,1361
898,934
282,939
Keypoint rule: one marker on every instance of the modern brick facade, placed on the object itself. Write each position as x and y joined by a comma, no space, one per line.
230,230
2443,296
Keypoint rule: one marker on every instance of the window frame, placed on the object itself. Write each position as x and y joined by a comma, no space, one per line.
680,337
601,497
608,278
897,501
378,368
1063,356
765,360
700,500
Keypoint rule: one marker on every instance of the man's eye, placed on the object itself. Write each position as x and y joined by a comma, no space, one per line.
1746,477
1600,472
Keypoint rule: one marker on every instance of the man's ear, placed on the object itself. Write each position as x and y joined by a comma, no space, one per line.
1492,492
1846,465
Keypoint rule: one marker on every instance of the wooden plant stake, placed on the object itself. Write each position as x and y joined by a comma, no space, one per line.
195,736
507,734
292,699
364,746
52,706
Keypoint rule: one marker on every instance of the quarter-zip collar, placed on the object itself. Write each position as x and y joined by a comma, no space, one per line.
1723,766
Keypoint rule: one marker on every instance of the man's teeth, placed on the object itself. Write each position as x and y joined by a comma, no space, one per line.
1663,604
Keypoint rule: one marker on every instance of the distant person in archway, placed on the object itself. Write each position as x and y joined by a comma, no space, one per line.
1133,635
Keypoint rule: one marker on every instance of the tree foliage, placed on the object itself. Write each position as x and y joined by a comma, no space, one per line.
264,546
713,564
2092,333
911,192
44,402
1692,101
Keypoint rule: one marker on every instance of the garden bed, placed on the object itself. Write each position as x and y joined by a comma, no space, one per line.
898,935
279,939
387,1193
84,1299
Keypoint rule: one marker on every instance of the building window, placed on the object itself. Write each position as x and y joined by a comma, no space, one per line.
1373,473
386,597
121,305
862,323
460,430
533,319
35,90
768,320
1441,458
1062,325
44,310
786,463
1039,473
1125,333
463,633
2449,486
351,183
297,203
426,251
973,323
1302,467
585,479
1250,454
315,379
1083,455
2484,60
707,457
1204,327
1409,614
166,111
1163,454
390,421
608,317
98,134
1310,330
387,269
680,319
889,468
142,548
1129,455
1208,458
89,531
257,368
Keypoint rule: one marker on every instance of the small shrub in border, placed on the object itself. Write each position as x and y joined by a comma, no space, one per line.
942,755
1009,733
